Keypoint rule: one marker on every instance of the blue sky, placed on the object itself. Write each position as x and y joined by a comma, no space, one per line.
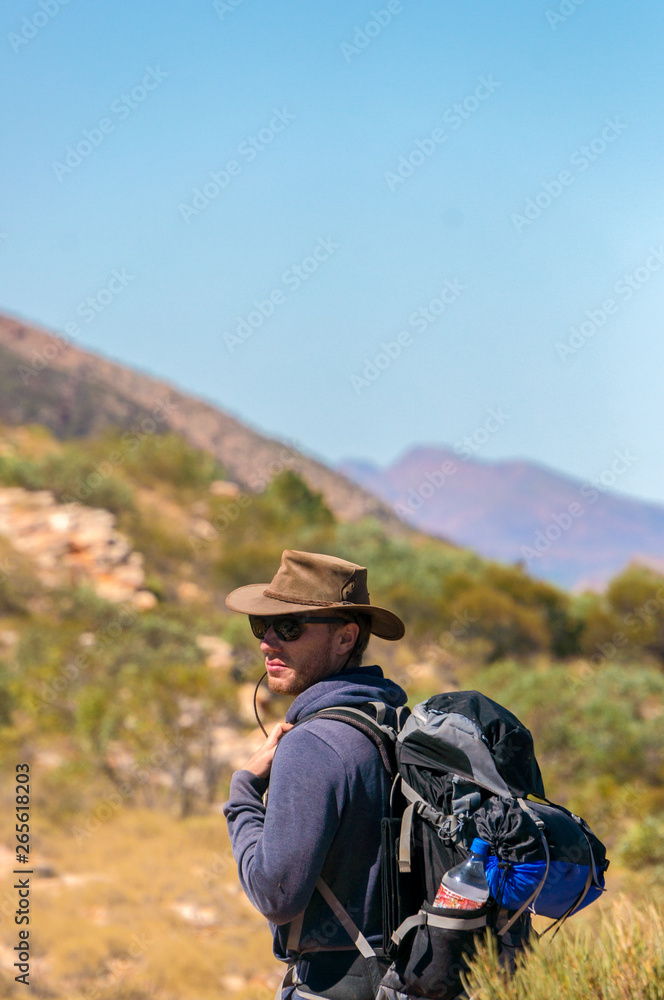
407,214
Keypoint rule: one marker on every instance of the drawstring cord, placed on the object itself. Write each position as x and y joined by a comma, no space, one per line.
265,732
256,705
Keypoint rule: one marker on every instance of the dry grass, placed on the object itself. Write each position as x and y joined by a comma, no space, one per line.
145,906
622,958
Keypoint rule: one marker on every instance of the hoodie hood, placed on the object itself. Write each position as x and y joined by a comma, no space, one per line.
350,687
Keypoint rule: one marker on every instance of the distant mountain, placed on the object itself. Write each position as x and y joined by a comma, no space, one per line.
46,379
575,534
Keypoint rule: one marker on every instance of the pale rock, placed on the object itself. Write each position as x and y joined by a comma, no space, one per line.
189,592
203,529
423,673
245,697
234,748
194,778
220,652
200,916
233,984
49,759
144,600
98,915
224,488
60,521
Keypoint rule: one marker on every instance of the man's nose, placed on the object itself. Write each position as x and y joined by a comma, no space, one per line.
270,640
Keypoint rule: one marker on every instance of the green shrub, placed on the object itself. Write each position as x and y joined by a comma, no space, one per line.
75,478
19,471
7,696
408,576
486,613
643,843
155,459
18,583
293,500
83,605
637,595
563,625
633,588
627,621
600,624
288,514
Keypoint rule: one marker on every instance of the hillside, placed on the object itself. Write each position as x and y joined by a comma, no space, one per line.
575,534
45,378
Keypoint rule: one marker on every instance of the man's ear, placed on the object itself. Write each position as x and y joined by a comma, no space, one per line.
347,635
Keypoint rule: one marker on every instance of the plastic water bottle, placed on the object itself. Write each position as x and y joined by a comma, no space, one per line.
465,887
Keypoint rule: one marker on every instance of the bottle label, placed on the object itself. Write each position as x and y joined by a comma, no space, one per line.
453,901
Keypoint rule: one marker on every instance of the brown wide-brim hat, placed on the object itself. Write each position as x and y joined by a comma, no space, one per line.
310,581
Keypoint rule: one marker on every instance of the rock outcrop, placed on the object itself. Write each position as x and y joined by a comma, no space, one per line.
69,544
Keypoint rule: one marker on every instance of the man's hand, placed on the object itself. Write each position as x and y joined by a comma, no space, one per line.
261,762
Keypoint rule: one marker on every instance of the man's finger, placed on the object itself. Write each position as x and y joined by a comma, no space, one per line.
278,732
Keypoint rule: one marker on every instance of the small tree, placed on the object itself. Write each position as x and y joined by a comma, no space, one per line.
509,628
629,620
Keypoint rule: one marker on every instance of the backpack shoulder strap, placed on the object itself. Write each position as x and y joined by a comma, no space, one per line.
383,737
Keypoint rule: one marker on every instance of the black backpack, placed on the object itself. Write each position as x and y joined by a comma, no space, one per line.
464,767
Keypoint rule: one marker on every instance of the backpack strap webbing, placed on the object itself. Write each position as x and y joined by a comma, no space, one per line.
345,919
405,838
383,737
288,980
342,915
434,920
353,931
295,932
591,878
577,902
533,898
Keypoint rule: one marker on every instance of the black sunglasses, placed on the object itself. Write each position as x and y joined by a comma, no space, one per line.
287,627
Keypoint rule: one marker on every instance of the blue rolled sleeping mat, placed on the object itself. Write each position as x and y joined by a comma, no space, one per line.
541,855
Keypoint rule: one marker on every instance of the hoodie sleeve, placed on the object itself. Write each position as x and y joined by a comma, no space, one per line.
280,848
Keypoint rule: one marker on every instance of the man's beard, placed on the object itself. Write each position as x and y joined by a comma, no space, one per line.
311,670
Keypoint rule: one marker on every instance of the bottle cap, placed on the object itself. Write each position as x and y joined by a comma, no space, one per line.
480,847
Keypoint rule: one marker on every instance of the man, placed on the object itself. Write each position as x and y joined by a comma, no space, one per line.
329,788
